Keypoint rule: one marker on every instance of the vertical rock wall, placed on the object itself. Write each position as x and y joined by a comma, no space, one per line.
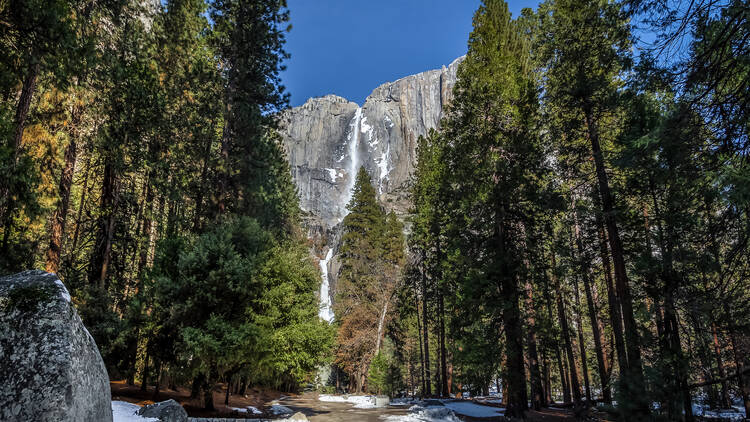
328,138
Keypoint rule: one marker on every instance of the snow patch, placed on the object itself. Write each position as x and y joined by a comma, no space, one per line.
367,129
388,122
333,174
278,409
125,412
382,163
430,414
359,402
474,410
63,290
248,409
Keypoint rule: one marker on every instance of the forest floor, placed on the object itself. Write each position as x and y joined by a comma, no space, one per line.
258,398
306,403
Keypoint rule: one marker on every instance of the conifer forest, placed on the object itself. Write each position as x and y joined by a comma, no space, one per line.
578,225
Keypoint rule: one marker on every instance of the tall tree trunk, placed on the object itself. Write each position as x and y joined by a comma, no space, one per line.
81,204
740,354
208,396
203,181
381,324
60,215
24,102
145,374
22,111
612,299
443,360
667,240
558,358
421,352
581,342
101,256
636,389
508,283
157,383
593,315
565,330
725,401
537,391
428,389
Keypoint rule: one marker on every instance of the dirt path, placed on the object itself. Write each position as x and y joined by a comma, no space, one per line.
317,410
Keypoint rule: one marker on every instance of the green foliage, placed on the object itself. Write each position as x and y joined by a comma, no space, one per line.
377,378
372,254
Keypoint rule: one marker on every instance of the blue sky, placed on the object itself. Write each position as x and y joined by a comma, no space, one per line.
349,47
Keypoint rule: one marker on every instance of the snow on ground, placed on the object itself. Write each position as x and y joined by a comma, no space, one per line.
359,402
421,414
474,410
278,409
735,413
248,409
403,401
125,412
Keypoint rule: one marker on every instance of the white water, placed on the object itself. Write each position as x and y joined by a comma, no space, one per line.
353,139
325,312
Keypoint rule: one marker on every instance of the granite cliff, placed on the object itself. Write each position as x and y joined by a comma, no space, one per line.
328,138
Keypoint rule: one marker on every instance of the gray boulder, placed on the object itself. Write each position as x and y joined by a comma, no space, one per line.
166,411
49,363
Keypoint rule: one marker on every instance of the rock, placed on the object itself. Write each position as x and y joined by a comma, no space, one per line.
328,138
165,411
51,369
299,416
382,401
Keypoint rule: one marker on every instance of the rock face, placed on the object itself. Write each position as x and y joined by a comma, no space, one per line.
50,367
328,138
165,411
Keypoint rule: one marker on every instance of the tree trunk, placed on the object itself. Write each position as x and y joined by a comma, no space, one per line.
102,251
636,389
612,299
428,389
421,353
208,396
558,358
537,391
57,221
22,111
381,323
565,330
739,360
145,374
581,342
226,396
195,389
81,204
443,360
593,315
157,384
516,378
725,401
24,102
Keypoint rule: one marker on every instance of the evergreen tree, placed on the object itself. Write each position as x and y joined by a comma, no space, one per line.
371,258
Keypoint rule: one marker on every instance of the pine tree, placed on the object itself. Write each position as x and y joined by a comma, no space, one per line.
371,260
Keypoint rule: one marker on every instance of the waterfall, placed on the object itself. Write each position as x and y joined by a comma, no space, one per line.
353,140
325,312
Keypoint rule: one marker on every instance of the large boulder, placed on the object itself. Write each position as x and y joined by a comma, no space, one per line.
50,367
166,411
